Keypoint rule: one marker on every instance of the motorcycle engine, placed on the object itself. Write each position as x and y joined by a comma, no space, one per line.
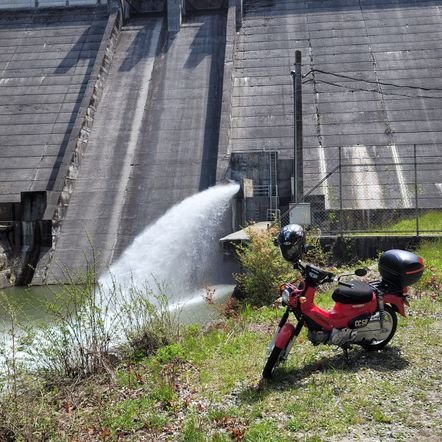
317,337
342,336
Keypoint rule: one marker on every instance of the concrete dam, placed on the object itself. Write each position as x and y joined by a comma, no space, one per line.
112,114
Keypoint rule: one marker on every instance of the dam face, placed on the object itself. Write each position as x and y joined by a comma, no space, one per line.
108,118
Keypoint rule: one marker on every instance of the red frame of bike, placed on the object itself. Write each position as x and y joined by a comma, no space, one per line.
341,314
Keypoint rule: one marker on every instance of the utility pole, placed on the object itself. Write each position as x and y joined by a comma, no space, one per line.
298,172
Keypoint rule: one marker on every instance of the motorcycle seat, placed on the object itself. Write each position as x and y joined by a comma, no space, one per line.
359,293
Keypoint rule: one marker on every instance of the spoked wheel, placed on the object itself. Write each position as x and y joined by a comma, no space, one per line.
384,336
275,358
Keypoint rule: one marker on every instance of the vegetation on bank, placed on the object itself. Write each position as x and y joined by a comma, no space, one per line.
204,383
430,221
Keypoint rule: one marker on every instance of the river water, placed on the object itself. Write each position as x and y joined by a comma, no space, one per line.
30,305
180,251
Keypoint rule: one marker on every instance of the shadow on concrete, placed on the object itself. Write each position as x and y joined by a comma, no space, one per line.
30,19
210,41
200,47
338,6
69,62
213,117
75,55
134,54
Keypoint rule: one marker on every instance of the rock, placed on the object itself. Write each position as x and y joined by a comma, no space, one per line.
7,279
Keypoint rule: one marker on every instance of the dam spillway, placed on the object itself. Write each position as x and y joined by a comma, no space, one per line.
156,116
153,142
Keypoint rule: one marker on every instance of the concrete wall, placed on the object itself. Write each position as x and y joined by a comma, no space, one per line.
350,250
46,61
59,199
358,59
233,24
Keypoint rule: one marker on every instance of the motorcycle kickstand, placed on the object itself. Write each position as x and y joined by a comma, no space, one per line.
345,348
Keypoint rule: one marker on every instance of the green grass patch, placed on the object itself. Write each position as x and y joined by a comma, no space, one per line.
431,281
131,415
428,222
264,431
206,385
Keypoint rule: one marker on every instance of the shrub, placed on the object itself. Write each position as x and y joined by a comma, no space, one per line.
431,281
316,253
264,269
76,340
149,323
91,327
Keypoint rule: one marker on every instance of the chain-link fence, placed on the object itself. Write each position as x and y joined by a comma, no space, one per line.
392,191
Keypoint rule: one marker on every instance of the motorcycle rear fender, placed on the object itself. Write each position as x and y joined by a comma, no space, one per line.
397,303
285,334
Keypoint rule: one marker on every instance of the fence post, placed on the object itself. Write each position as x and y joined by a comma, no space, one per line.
341,221
416,194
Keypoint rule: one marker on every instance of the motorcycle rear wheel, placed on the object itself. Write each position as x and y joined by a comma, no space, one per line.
390,318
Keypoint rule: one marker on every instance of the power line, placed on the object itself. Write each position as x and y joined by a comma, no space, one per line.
348,77
378,83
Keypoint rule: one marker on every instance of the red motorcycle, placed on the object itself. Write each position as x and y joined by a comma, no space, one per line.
364,313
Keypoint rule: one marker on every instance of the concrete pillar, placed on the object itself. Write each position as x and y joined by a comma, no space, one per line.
33,205
239,14
174,15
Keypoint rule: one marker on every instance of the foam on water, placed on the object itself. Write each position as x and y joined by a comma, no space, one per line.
180,250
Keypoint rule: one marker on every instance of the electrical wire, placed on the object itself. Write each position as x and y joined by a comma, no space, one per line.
348,77
361,89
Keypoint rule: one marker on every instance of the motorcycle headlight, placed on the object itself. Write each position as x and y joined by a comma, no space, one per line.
285,297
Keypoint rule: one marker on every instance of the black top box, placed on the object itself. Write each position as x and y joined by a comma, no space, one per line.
400,268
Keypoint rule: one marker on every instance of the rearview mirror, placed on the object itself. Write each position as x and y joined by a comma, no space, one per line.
361,272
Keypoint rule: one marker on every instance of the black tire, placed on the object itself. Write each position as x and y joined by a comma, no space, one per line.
272,361
390,316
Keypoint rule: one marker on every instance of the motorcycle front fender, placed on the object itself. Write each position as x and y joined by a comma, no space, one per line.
284,336
397,303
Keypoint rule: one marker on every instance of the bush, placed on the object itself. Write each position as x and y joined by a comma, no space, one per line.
431,281
81,326
264,269
316,253
89,328
149,324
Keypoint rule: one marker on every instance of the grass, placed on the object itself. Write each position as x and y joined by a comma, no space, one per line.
428,222
430,283
207,386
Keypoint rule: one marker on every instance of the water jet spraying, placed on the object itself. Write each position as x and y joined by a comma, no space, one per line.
180,250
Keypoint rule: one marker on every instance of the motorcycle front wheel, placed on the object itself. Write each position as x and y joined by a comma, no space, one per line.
272,362
276,356
390,324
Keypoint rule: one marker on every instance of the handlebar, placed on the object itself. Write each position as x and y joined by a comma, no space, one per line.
319,276
329,278
314,274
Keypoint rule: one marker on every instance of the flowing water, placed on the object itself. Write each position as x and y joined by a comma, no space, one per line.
180,251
